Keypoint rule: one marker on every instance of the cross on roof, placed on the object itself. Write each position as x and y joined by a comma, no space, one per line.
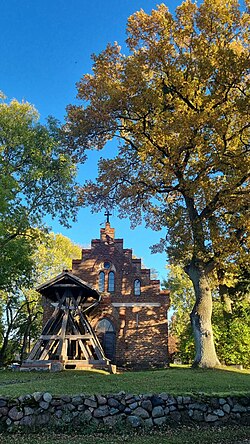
107,214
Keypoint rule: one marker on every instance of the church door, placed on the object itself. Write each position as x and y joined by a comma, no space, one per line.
106,334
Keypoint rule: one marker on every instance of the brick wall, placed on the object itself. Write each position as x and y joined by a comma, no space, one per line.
140,321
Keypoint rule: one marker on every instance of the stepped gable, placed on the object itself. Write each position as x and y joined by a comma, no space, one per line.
131,320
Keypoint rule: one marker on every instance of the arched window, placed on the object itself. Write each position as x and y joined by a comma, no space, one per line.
101,281
111,281
137,287
103,326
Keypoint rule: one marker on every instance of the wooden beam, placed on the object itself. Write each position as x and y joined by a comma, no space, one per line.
64,285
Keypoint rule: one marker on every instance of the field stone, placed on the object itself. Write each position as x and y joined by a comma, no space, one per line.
27,421
198,406
245,401
101,412
66,398
37,396
15,414
170,401
226,408
129,397
214,402
164,396
219,412
157,401
230,401
133,406
101,400
114,411
239,408
157,412
141,412
4,411
28,411
147,405
211,418
222,401
44,405
90,402
121,407
113,402
3,402
77,400
47,397
134,421
56,402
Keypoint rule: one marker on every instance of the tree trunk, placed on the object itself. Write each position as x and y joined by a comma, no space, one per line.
201,317
23,351
4,347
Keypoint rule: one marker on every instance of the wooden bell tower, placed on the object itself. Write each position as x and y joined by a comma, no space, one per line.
67,339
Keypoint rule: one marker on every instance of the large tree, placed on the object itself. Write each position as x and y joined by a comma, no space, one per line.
231,318
37,177
178,102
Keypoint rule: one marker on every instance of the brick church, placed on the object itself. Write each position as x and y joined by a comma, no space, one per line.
131,320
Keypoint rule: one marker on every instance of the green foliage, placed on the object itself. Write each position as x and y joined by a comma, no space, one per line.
182,299
232,333
21,319
16,264
231,329
37,177
54,255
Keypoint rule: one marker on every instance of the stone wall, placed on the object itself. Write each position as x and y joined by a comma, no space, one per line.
43,409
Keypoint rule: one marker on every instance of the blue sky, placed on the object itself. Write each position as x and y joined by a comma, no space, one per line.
46,47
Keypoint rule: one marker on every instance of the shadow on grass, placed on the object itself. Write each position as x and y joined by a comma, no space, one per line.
175,380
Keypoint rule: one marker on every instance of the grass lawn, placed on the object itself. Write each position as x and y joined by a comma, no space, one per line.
175,380
184,435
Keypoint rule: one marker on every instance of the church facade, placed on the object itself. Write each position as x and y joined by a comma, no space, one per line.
131,320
